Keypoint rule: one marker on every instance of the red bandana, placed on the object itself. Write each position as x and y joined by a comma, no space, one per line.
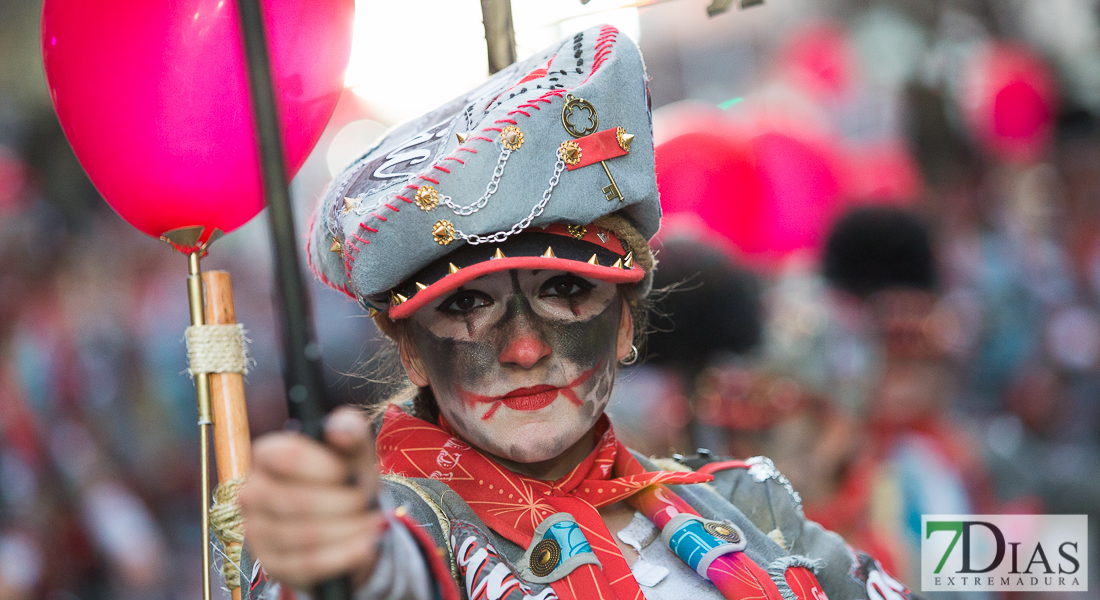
514,505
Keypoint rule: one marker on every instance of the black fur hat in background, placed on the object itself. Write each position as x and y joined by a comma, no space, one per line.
876,248
715,307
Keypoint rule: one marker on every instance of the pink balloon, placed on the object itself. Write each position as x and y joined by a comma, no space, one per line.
801,189
1009,101
711,175
154,98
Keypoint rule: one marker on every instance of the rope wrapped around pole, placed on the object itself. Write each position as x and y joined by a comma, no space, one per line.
217,349
228,525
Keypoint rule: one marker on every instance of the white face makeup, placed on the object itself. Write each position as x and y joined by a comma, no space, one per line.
521,362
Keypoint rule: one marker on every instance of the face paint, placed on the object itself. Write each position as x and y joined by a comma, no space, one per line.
521,362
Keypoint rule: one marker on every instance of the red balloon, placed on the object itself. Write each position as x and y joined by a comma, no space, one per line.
154,98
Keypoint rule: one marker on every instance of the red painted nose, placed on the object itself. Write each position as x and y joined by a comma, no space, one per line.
524,351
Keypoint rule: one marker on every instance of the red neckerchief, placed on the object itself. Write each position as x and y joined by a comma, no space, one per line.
513,505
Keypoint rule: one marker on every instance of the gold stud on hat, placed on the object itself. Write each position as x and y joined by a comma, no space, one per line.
624,139
350,204
577,231
462,136
549,253
511,137
397,299
336,246
426,198
497,255
594,261
443,232
421,286
570,152
628,262
452,269
618,264
372,311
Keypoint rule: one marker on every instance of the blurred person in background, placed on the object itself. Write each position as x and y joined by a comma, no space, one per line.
706,317
921,460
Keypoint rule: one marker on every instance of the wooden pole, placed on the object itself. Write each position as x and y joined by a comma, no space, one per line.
500,38
232,440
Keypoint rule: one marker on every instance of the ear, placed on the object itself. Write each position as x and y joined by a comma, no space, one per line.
410,359
626,332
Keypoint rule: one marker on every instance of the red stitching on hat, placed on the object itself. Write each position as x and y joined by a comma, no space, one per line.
412,187
379,217
368,228
496,129
480,137
471,149
403,198
356,236
426,178
522,112
543,99
459,160
512,121
528,106
440,168
347,264
391,207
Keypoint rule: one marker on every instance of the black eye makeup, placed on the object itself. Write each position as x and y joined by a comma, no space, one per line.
565,287
464,302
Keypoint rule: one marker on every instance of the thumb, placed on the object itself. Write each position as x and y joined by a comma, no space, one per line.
348,433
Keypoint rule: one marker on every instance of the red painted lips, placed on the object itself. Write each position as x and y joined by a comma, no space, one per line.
532,398
529,398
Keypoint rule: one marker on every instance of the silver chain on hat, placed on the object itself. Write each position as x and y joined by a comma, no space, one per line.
490,189
500,236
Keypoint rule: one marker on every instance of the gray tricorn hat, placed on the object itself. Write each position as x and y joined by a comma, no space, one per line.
514,174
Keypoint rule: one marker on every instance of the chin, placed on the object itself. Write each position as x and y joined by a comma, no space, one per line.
534,441
528,450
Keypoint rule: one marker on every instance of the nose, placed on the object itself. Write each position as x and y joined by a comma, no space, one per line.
524,350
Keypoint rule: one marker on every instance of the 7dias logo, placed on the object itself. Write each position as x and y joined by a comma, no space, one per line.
969,553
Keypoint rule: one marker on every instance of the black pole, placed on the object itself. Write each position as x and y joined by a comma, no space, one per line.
302,356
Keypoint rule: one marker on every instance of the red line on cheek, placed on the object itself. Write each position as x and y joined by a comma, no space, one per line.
583,377
571,396
569,392
472,401
492,409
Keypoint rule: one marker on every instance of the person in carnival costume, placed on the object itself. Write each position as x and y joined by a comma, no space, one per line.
501,242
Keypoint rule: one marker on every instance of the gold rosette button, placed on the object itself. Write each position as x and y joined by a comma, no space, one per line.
426,198
570,152
443,232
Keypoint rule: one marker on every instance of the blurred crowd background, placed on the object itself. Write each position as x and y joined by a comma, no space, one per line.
880,267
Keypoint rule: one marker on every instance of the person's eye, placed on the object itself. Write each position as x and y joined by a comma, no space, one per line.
465,301
565,286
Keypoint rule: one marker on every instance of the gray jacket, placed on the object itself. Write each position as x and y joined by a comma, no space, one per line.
758,500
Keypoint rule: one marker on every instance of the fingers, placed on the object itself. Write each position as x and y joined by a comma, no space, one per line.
282,500
303,566
300,536
294,457
310,507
